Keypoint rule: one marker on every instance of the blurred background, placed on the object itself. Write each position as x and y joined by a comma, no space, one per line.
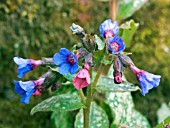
35,29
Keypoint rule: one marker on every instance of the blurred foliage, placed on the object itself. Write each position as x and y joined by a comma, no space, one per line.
34,29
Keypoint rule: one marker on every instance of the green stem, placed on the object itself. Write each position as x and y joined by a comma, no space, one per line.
82,96
100,69
88,104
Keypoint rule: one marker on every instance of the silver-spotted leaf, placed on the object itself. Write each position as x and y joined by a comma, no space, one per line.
98,118
106,84
64,102
123,108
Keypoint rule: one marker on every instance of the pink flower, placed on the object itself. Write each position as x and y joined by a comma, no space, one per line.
82,78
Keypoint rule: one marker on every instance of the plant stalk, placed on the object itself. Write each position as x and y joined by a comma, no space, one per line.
88,104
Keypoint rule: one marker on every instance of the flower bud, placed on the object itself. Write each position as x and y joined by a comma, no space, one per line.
126,60
89,42
89,59
118,70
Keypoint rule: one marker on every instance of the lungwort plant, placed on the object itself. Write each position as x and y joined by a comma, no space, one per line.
76,77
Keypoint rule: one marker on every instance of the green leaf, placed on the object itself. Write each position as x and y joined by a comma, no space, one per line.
69,77
164,123
61,119
64,102
99,42
106,84
128,7
107,61
98,56
127,31
123,108
98,118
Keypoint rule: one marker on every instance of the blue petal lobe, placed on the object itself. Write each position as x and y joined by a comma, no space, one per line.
59,58
74,68
64,51
25,98
64,68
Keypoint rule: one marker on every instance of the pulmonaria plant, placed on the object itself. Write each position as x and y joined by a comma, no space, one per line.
75,68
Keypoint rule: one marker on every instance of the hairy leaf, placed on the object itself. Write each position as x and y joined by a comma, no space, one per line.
123,108
64,102
106,84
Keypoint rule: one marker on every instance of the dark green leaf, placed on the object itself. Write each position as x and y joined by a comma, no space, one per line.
127,31
61,119
64,102
128,7
99,42
98,118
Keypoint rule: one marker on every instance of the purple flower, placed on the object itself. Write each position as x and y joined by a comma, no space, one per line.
116,45
27,89
25,65
108,28
146,80
67,62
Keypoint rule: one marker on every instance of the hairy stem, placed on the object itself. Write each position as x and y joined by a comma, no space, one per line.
82,96
88,104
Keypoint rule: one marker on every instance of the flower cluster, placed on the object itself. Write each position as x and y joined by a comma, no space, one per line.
116,45
79,63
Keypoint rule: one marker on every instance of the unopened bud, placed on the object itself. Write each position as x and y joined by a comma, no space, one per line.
118,70
126,60
82,52
89,59
117,77
89,42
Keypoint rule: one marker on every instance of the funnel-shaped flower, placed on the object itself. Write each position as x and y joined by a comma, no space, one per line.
66,61
108,29
82,78
27,89
25,65
146,80
116,45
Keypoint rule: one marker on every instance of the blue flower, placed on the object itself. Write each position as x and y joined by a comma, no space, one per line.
67,62
108,28
25,65
25,89
116,45
146,80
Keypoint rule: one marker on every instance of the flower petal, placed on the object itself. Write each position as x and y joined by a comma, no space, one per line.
64,68
18,60
27,86
74,68
59,58
64,51
25,98
18,88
